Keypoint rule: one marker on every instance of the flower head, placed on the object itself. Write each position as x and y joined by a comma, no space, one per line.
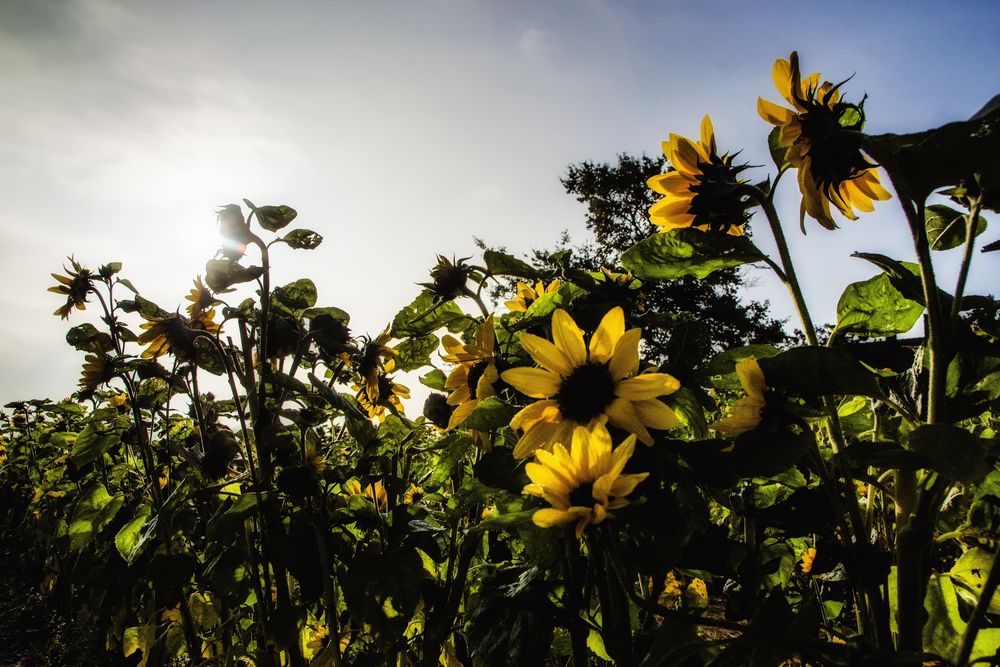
373,492
98,369
747,411
202,299
371,362
584,483
702,190
580,384
175,334
473,378
448,279
823,135
74,286
526,295
387,395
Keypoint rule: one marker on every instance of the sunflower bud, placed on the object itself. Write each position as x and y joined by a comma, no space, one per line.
448,279
437,410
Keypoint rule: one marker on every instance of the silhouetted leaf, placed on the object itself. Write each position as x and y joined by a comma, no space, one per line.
685,252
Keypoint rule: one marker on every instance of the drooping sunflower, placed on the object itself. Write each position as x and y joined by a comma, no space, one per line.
388,395
702,190
175,334
75,287
371,362
584,483
526,295
448,279
98,369
473,378
747,411
580,384
202,299
823,135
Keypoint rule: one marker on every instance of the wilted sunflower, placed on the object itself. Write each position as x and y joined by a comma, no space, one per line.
578,387
472,380
747,410
98,369
584,483
448,279
387,395
526,295
824,137
702,190
74,286
371,362
175,334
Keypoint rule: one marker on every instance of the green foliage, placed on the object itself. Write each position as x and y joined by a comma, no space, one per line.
875,307
686,252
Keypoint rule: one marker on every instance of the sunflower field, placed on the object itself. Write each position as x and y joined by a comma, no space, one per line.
562,499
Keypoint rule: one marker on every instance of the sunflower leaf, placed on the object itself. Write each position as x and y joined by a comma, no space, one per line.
434,379
273,218
87,338
779,151
502,264
949,450
490,414
819,371
875,308
454,452
687,252
302,239
422,317
221,274
92,512
415,352
946,227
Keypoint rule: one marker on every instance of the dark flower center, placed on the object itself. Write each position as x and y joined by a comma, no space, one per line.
834,136
719,201
586,392
582,496
475,372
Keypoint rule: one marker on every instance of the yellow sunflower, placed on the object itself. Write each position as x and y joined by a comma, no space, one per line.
75,287
585,483
202,299
98,369
373,492
388,394
747,410
823,134
701,190
578,384
472,380
526,295
175,334
371,362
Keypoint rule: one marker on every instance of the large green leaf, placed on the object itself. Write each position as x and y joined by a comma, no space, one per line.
925,161
491,413
302,239
502,264
946,227
415,352
944,627
92,512
221,274
971,570
813,371
422,317
688,252
273,218
455,445
875,308
95,439
951,451
130,536
295,297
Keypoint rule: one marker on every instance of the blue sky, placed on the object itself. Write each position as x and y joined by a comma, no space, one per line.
404,129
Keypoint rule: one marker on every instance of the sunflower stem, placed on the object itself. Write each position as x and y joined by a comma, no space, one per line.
971,220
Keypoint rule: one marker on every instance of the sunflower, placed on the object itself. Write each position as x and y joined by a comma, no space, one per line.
98,369
578,387
472,380
702,189
412,494
371,361
747,411
175,334
202,299
373,492
526,295
584,483
74,286
823,135
448,279
387,395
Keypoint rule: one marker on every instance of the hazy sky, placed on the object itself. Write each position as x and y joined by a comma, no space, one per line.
403,129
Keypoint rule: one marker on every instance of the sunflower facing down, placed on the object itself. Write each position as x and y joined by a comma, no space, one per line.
202,299
526,295
702,190
473,379
747,411
584,483
387,395
372,360
176,334
98,369
74,287
823,134
578,385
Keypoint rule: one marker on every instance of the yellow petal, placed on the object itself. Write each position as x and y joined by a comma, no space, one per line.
708,135
773,113
549,477
546,354
622,414
534,413
609,331
655,414
625,358
539,435
548,517
670,183
533,382
568,337
462,413
647,385
751,377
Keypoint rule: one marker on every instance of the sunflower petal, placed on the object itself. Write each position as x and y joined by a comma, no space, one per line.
622,414
609,331
533,382
647,385
546,354
568,337
625,358
654,414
